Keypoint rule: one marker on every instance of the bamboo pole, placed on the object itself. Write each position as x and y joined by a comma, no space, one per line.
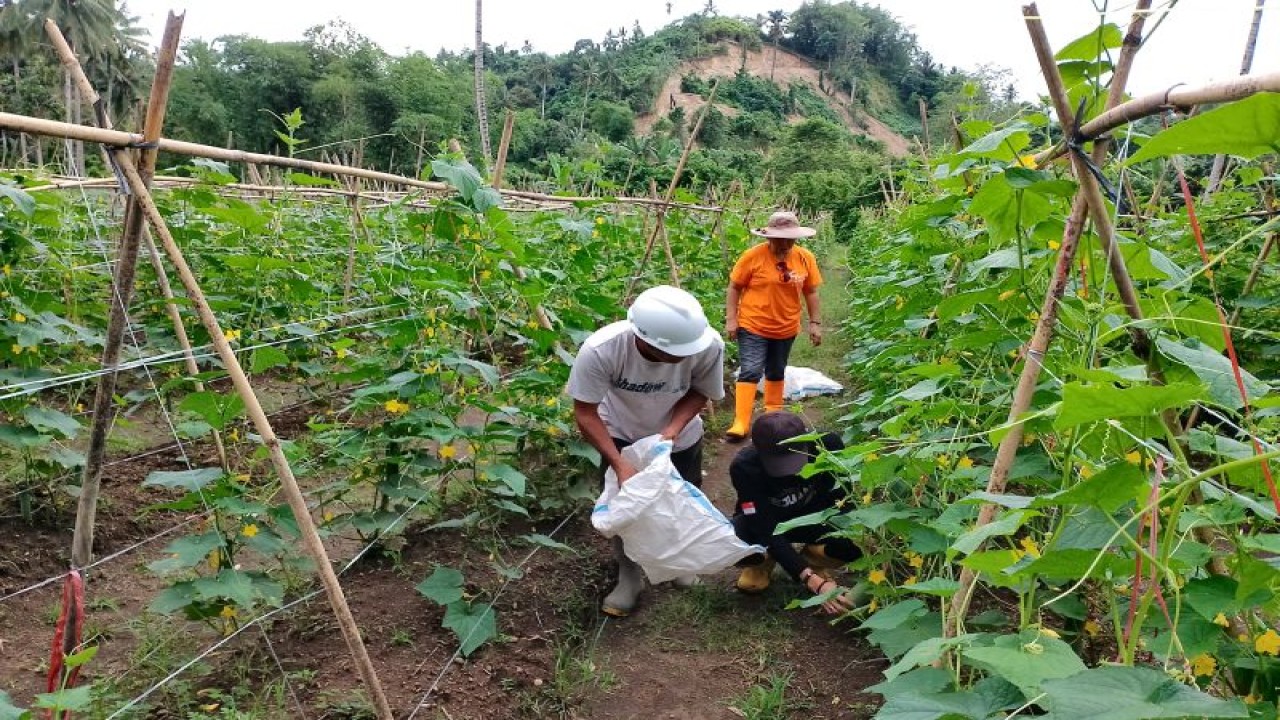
121,295
302,514
1043,334
671,190
53,128
1246,64
289,484
1215,92
504,145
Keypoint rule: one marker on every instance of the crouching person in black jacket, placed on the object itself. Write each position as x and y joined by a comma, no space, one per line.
770,491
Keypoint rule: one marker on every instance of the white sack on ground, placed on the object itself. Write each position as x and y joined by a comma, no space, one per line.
803,382
666,524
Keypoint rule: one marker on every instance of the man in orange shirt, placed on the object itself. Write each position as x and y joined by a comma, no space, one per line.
763,312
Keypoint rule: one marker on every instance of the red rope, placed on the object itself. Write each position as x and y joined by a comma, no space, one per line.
1226,333
67,636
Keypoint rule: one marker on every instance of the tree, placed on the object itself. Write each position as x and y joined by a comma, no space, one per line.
777,20
482,109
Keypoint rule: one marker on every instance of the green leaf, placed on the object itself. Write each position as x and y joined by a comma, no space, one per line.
444,585
815,518
20,198
474,626
1026,659
986,700
1091,45
78,659
1247,128
73,699
215,408
298,178
1131,693
547,542
47,420
9,711
894,615
1003,144
1075,563
924,653
1005,210
939,586
1089,403
187,551
513,479
190,480
1006,525
1107,491
460,174
265,358
1214,369
233,585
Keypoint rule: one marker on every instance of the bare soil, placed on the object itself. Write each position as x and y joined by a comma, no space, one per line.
784,68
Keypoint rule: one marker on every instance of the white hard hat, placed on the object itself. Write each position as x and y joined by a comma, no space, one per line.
671,320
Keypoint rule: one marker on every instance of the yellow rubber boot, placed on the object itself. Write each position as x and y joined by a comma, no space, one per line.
816,557
744,399
773,395
755,578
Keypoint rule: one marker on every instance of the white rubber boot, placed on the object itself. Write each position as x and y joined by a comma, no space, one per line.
622,600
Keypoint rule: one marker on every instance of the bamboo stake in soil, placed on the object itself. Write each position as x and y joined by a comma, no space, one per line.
122,281
289,484
1039,344
671,191
504,145
1246,64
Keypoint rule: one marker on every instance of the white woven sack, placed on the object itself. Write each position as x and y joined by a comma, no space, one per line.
666,524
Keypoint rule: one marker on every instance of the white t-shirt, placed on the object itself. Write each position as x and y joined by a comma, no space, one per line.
636,395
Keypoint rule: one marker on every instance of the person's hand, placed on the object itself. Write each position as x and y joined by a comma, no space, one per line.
624,470
731,329
815,334
838,605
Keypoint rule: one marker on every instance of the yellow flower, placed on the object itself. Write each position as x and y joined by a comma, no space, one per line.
876,576
486,274
1268,643
1086,472
901,301
1092,628
19,318
447,452
16,349
228,611
553,430
1221,620
866,498
915,560
1031,547
1133,458
965,463
1033,316
1242,637
1029,438
871,457
552,402
1007,294
595,233
875,605
599,221
910,581
944,460
395,407
1204,665
1251,699
249,530
1027,161
1054,245
7,270
231,335
341,353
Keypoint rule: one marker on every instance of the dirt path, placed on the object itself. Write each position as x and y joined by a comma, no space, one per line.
711,652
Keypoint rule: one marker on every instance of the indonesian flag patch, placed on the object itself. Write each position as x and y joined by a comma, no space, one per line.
748,508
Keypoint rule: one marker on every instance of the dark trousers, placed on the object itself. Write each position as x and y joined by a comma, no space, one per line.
837,548
688,462
762,357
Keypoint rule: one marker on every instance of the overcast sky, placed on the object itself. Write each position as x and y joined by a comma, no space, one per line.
1200,41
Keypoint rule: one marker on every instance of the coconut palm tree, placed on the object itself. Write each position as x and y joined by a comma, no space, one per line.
777,19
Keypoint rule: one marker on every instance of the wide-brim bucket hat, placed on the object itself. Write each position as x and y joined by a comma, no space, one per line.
784,225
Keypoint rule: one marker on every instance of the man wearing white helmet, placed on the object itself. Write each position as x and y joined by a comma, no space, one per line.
649,374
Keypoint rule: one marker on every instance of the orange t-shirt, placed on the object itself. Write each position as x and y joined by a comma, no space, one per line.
769,305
